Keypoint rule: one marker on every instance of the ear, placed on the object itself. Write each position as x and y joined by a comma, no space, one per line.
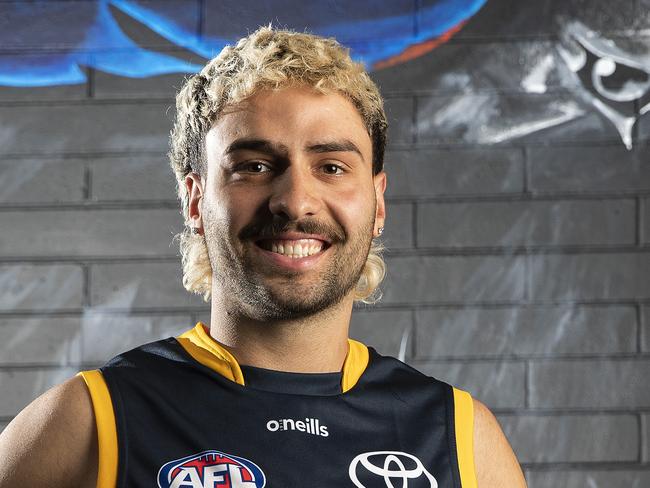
194,185
379,181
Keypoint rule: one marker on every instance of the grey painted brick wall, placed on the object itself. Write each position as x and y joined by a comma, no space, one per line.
626,478
574,438
534,331
518,247
464,172
527,223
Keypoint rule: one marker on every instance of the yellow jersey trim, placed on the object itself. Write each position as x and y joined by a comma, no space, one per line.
203,348
355,364
464,428
106,429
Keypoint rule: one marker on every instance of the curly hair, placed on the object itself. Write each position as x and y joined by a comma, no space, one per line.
268,59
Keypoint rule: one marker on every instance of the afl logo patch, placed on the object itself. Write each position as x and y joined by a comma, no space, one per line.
395,468
211,469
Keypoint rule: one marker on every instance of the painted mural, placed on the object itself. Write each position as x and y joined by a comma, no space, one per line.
404,38
601,76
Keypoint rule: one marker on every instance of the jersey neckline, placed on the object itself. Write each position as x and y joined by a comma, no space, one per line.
206,350
292,383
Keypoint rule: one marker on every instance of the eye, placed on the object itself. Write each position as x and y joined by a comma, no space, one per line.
254,167
332,169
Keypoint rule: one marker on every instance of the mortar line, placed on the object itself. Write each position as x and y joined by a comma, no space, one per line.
528,281
526,170
413,334
640,324
643,451
640,214
86,285
414,224
87,189
414,122
527,384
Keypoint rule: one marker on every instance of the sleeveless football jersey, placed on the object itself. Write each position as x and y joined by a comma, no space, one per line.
182,413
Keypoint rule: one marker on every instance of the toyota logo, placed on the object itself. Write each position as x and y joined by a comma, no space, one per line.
392,466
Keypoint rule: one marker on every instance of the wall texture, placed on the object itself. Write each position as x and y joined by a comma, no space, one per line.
518,235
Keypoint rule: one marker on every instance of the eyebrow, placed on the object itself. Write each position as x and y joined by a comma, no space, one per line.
343,145
260,145
266,146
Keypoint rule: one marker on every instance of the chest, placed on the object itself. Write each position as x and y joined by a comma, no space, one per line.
199,430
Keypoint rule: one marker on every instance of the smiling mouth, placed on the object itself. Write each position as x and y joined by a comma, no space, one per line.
295,248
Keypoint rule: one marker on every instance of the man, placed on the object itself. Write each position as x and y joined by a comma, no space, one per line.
278,151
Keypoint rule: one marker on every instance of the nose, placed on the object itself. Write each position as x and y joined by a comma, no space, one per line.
295,194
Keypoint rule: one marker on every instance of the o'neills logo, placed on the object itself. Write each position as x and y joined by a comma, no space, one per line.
309,425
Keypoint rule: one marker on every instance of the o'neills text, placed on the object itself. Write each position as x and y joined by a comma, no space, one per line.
309,425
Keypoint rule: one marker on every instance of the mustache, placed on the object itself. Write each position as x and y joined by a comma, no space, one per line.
269,230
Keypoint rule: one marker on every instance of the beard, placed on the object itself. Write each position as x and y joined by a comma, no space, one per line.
263,292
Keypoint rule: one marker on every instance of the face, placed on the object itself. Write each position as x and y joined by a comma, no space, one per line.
289,204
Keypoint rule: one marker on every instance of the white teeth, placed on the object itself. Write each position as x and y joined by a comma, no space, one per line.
297,248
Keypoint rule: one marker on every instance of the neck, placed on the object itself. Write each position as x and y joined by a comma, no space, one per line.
314,344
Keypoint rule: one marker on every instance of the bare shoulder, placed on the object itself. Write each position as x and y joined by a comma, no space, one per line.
496,463
55,433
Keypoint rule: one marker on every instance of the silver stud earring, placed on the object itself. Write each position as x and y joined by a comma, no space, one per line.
380,231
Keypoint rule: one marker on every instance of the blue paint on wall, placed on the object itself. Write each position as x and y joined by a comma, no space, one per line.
373,31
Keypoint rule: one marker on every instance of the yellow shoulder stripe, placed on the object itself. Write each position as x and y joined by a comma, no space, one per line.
464,427
106,430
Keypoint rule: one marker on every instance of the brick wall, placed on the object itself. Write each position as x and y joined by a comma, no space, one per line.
519,231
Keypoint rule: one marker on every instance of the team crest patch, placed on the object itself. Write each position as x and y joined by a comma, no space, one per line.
211,469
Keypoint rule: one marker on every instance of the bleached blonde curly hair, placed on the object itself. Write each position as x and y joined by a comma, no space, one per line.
268,59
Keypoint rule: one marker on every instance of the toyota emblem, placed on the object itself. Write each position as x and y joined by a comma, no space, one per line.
396,468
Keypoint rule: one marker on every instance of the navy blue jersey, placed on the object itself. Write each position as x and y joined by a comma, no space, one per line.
182,413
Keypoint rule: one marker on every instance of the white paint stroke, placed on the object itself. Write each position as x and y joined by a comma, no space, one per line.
568,112
403,346
535,81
